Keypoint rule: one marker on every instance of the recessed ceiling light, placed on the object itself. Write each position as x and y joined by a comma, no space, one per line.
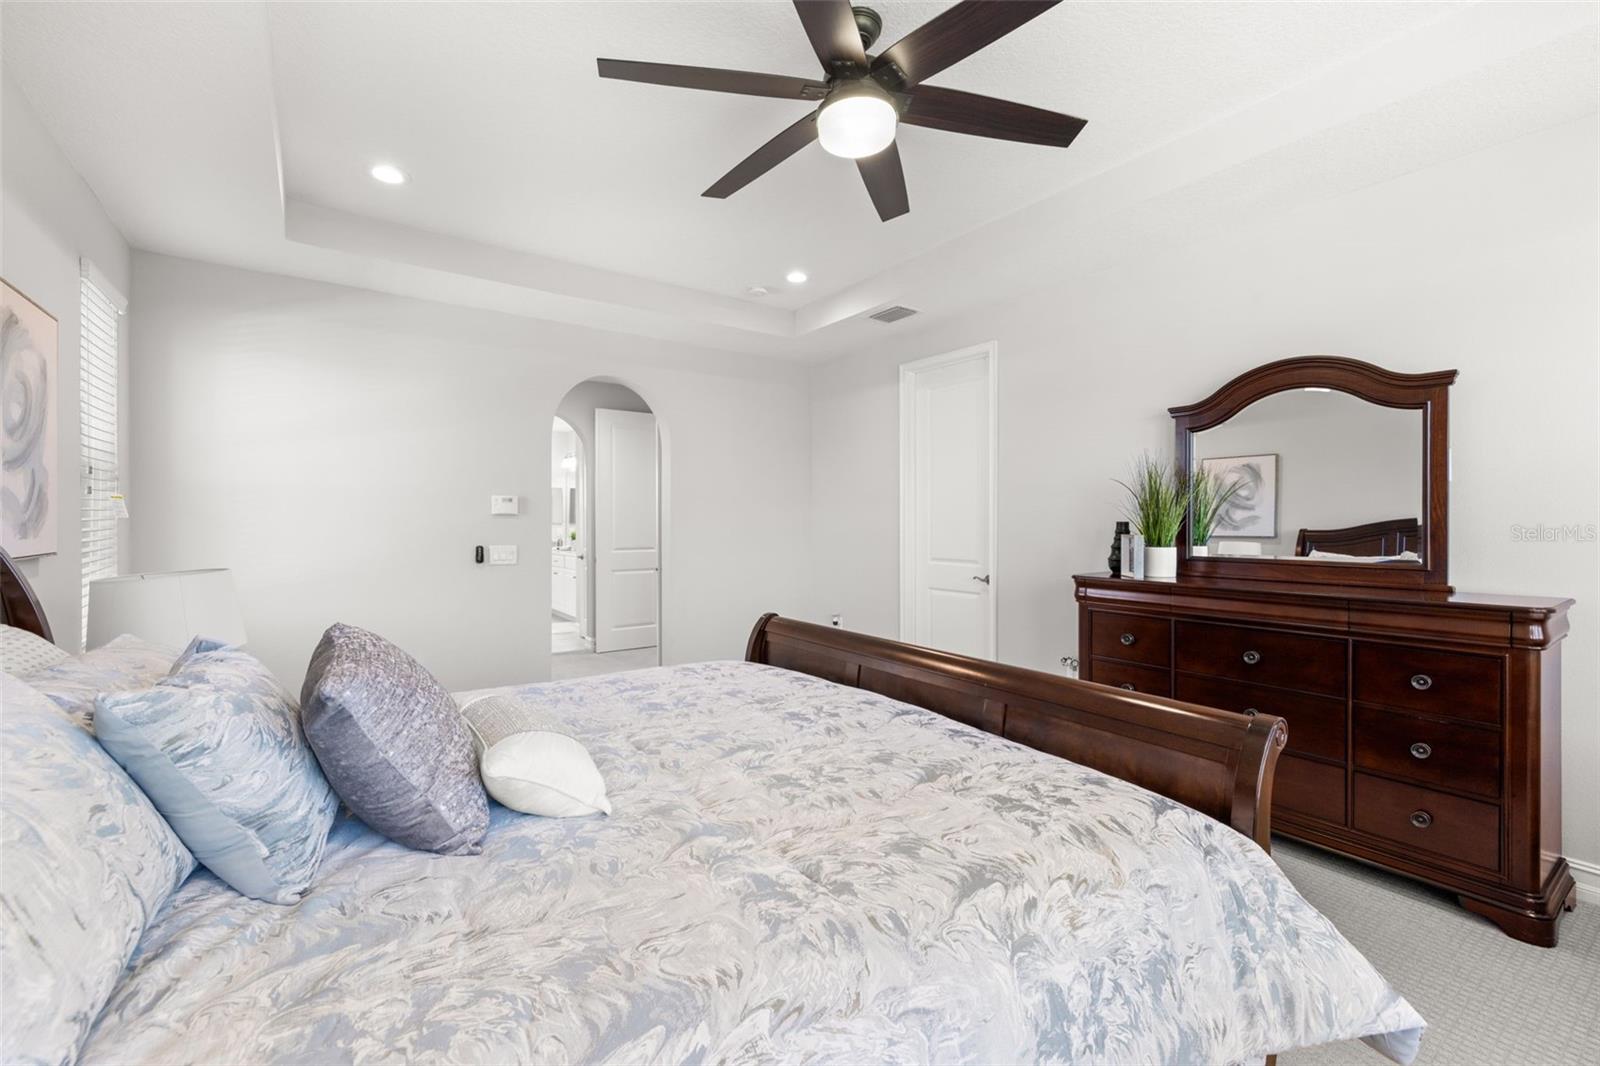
795,277
389,174
758,290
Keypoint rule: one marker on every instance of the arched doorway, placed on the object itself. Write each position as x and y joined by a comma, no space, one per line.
605,529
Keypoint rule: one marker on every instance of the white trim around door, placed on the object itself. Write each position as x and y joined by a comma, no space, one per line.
974,566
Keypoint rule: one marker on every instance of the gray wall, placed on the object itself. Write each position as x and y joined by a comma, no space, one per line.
50,219
337,448
1486,263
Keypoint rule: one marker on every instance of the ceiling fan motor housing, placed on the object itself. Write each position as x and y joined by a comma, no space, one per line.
865,97
869,23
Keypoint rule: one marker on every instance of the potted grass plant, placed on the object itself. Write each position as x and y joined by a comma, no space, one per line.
1158,498
1209,492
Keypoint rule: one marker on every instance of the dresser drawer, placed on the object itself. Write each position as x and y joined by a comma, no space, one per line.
1426,751
1261,656
1310,788
1316,723
1461,829
1449,683
1132,638
1147,679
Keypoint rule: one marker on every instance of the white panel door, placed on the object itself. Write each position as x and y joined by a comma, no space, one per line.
947,566
627,544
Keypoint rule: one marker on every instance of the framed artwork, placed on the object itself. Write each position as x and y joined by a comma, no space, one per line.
1252,511
30,483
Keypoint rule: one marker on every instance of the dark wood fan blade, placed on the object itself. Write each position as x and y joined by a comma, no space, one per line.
949,38
832,29
886,182
984,116
765,158
746,82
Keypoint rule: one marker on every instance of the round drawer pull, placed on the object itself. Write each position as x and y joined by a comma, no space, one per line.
1127,640
1421,682
1252,657
1420,750
1421,819
1250,712
1127,685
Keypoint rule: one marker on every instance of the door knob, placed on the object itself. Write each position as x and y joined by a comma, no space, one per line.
984,579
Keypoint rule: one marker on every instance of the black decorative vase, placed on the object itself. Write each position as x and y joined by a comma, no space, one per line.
1114,560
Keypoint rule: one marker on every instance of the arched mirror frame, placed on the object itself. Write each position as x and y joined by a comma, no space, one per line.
1428,393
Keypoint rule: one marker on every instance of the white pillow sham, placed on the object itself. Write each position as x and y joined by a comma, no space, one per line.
529,764
1340,557
22,652
127,662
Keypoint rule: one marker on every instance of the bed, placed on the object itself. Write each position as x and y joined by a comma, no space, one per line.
803,863
1391,537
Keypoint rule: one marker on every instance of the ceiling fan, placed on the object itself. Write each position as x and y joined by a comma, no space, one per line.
864,97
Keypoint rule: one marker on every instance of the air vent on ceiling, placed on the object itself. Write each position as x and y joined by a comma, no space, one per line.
892,314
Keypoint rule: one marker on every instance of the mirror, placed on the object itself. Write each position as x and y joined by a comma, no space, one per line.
564,451
1314,474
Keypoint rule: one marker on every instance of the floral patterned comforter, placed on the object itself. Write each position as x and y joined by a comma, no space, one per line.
794,871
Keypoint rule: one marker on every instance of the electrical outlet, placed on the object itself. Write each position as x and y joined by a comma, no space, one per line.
837,621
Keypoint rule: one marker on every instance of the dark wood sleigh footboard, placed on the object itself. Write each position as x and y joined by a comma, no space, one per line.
1217,762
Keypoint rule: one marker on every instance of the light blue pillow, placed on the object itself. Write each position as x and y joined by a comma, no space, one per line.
87,864
199,646
218,749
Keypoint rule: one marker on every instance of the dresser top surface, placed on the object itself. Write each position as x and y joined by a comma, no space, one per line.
1465,601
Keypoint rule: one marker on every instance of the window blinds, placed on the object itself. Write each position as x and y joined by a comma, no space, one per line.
100,312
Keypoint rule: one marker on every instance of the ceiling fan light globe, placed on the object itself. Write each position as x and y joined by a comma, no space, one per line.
857,125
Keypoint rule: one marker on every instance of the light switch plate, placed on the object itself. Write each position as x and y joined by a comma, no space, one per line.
502,505
502,555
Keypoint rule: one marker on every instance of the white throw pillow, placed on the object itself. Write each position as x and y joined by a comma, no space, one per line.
23,653
529,764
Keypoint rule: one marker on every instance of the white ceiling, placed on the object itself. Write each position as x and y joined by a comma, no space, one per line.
242,133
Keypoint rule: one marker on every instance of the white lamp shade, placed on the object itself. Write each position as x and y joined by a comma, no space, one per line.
168,609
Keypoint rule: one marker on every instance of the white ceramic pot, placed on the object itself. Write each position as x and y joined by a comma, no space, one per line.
1200,551
1161,562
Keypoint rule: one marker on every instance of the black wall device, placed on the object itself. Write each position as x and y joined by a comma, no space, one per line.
477,554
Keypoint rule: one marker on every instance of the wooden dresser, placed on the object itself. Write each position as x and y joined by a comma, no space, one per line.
1424,728
1424,725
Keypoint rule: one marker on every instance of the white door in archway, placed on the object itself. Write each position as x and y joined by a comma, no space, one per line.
627,535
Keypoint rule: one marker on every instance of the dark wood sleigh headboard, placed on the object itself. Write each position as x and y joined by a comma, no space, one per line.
1388,537
19,607
1215,761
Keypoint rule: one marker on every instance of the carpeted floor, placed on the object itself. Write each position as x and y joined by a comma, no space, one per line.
568,665
1487,999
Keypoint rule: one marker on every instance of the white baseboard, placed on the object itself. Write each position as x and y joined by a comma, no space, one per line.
1587,874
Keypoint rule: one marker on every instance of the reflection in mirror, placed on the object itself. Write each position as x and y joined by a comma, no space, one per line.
563,485
1317,474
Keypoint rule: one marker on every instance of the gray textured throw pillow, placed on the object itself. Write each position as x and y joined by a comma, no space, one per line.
392,743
